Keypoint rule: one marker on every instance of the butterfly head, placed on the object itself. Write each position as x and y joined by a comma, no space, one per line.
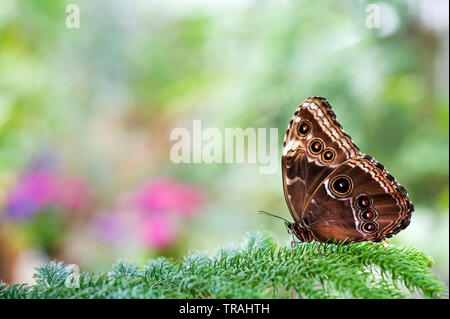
302,232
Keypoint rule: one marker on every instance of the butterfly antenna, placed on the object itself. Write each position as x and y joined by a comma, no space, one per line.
269,214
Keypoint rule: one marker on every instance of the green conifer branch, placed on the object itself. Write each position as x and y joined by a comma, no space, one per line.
255,269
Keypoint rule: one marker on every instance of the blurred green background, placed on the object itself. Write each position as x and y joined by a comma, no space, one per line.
86,115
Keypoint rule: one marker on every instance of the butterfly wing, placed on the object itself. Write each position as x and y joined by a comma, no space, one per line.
314,145
358,201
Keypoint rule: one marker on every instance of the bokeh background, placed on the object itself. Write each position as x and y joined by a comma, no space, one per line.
86,116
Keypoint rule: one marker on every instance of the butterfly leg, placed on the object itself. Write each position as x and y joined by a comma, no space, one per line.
383,243
319,251
293,242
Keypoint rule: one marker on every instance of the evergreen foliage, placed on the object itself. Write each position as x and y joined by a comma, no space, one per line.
255,269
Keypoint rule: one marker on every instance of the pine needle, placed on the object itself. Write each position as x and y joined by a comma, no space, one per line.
255,269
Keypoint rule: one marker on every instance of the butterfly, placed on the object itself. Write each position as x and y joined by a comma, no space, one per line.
333,192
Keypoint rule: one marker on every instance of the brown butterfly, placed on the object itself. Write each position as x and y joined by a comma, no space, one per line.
334,192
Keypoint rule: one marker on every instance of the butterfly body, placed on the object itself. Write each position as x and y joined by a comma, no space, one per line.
333,192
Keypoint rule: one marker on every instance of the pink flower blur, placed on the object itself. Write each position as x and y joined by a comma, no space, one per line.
166,195
41,188
158,230
71,193
110,227
161,203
